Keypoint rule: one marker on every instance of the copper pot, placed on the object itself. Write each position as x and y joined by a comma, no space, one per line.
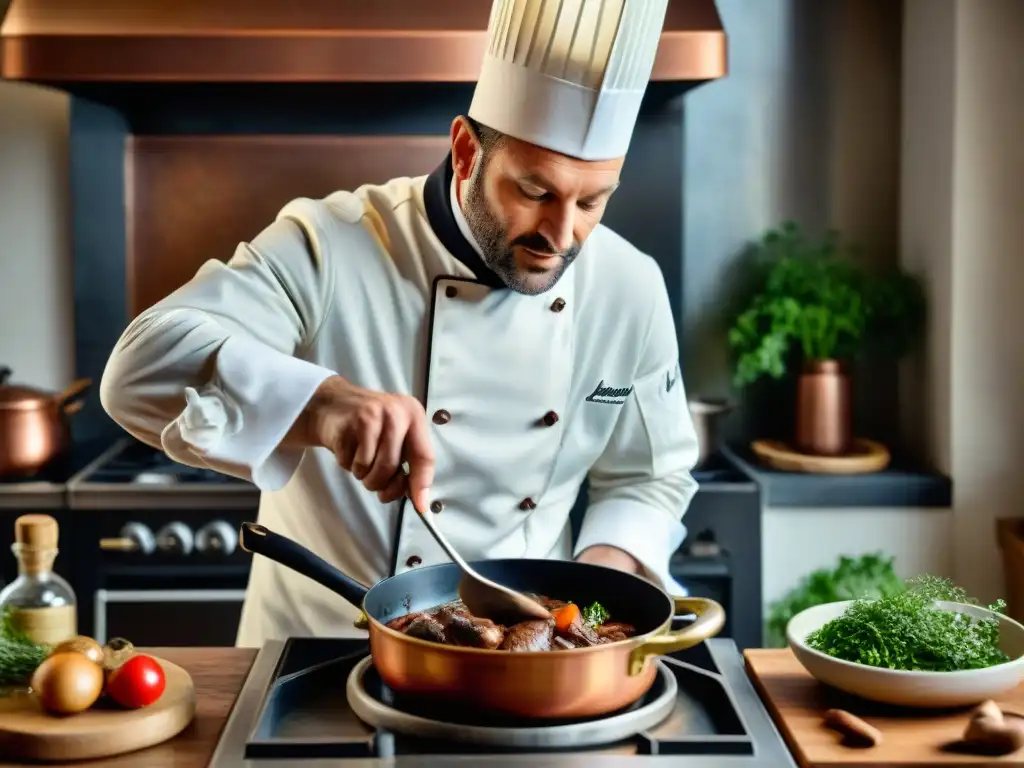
823,409
34,427
581,682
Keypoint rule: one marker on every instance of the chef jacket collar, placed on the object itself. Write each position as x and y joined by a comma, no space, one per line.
437,201
460,220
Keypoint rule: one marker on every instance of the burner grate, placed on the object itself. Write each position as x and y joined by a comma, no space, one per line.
142,465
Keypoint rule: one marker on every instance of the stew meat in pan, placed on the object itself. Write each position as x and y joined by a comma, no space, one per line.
571,627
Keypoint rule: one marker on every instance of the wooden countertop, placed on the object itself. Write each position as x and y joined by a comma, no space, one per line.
794,699
797,703
218,674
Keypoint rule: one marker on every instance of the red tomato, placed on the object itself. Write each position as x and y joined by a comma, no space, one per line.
137,683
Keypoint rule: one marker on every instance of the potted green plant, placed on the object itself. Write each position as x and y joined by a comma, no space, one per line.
811,306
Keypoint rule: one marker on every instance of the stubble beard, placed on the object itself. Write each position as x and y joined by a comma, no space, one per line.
498,254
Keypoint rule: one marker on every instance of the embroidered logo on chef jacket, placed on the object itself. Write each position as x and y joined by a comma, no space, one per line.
609,395
670,381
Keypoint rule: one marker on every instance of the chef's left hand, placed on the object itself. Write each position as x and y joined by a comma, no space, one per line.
610,557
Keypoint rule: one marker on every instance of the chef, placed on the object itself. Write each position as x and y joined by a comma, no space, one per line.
478,325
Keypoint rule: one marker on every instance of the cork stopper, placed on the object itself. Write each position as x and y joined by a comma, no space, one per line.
36,531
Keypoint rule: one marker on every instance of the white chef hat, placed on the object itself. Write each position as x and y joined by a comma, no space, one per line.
568,75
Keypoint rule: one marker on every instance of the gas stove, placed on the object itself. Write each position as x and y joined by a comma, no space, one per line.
298,707
130,473
156,554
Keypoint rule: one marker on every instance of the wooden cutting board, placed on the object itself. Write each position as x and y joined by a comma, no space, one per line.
797,703
29,733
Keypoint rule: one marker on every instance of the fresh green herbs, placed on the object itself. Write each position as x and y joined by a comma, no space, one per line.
906,631
595,615
870,575
19,656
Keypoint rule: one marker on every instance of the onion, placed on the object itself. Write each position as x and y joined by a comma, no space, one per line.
67,682
81,644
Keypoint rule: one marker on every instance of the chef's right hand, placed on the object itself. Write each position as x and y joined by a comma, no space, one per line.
371,434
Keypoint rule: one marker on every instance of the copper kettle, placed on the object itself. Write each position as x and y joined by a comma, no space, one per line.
34,428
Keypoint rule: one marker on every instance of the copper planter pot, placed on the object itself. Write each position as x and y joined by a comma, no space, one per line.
823,412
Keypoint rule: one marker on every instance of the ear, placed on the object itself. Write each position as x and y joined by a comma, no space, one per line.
465,149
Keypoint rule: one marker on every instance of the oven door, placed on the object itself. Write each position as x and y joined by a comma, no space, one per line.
168,617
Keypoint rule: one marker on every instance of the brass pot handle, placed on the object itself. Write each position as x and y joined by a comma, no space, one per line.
71,400
710,620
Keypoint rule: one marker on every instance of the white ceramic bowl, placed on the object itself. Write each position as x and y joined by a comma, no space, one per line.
910,688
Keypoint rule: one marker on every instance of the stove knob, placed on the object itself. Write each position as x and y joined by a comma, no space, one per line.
216,538
135,537
175,539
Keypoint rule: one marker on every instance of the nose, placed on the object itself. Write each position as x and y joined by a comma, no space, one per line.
557,227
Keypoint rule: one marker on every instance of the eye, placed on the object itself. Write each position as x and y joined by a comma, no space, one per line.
530,196
588,205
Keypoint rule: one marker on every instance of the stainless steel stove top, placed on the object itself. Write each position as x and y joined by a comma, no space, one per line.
293,711
130,473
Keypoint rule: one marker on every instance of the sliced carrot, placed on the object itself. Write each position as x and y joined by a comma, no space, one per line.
565,616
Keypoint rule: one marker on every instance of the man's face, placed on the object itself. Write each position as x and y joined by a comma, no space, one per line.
530,209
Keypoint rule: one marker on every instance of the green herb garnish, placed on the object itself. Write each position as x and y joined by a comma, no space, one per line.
595,615
869,575
19,656
906,631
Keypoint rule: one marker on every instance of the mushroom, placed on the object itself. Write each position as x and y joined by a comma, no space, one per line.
989,732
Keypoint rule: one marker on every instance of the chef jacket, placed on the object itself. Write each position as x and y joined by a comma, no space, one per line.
526,397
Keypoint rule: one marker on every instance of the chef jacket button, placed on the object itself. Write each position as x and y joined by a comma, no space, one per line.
436,507
527,504
451,291
550,419
413,561
442,416
558,305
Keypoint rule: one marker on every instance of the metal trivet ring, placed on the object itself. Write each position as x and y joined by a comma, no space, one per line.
651,710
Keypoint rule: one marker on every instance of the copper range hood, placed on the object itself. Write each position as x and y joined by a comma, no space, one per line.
297,41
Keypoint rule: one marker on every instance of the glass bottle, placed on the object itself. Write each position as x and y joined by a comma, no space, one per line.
42,605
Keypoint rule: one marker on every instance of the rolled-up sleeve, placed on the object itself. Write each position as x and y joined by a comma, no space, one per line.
641,485
214,374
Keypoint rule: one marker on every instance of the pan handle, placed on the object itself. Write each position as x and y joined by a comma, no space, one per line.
710,620
259,540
